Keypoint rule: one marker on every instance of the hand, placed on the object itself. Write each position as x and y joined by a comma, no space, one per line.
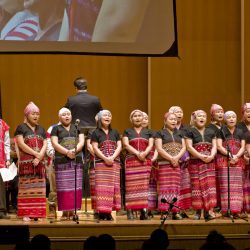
39,156
141,156
71,154
7,164
35,162
174,161
209,158
109,161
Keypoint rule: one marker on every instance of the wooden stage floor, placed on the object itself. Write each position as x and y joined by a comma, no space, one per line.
129,235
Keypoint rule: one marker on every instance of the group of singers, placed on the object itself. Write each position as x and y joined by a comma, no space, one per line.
187,165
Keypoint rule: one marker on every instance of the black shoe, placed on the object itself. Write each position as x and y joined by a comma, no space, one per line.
130,215
208,216
150,214
144,214
184,215
101,216
96,216
4,216
109,217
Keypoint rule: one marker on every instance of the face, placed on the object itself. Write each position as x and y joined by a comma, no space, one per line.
106,119
137,119
11,6
171,121
246,115
179,114
65,118
218,115
200,120
144,121
231,121
33,118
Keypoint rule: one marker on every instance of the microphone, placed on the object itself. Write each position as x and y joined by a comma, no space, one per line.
163,200
77,122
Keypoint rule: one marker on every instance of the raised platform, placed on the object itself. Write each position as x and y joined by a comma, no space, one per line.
185,234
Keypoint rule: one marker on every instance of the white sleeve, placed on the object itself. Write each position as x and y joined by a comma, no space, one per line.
7,145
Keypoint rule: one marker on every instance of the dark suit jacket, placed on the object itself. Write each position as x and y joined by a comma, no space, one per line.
84,106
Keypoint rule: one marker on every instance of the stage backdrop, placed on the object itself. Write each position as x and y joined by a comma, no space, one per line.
207,72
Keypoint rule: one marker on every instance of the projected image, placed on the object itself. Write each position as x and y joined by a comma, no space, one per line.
92,25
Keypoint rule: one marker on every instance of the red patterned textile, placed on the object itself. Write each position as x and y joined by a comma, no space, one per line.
236,179
202,176
3,128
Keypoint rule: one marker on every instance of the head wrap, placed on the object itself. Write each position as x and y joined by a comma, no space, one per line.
102,112
245,107
167,114
133,112
214,108
174,109
194,115
229,113
63,110
31,107
144,114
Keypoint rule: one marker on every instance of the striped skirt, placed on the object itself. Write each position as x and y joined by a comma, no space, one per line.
169,179
92,187
152,189
236,186
246,188
185,201
65,182
107,187
137,175
31,197
203,183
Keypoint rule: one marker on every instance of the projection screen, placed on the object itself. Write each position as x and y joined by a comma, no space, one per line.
140,27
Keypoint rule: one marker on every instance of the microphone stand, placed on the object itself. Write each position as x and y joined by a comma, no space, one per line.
163,219
229,156
75,216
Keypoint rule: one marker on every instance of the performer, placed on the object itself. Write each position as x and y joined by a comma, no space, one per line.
66,139
31,141
83,106
171,146
152,195
244,125
4,162
12,186
217,118
201,144
231,141
185,200
107,146
138,141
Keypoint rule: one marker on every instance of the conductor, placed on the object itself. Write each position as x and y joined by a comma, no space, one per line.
83,106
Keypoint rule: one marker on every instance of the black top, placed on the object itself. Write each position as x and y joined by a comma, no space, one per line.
214,128
197,137
84,107
100,136
144,133
24,130
241,125
67,139
167,137
225,134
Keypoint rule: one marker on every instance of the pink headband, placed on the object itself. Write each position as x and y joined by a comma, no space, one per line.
133,112
245,107
174,109
214,108
31,107
194,115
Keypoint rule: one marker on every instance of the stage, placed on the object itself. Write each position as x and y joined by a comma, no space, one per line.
184,234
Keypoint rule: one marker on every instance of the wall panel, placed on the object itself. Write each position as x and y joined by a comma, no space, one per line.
208,70
120,82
